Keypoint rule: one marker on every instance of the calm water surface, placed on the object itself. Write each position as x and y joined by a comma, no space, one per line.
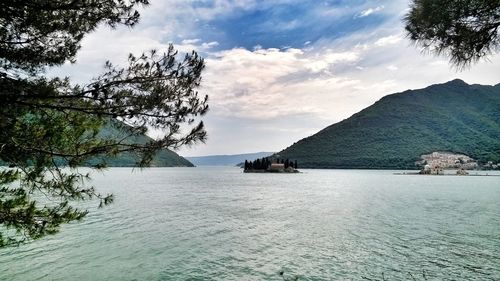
221,224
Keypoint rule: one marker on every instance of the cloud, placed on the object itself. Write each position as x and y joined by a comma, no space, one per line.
337,64
190,41
369,11
389,40
267,83
331,80
392,67
209,44
325,60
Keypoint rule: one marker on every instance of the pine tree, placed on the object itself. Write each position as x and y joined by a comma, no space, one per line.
48,122
464,30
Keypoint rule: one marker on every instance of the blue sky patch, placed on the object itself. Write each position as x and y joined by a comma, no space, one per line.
287,24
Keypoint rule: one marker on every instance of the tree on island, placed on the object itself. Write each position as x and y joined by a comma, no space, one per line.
49,122
265,164
463,30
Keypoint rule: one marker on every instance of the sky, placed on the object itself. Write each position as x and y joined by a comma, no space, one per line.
278,71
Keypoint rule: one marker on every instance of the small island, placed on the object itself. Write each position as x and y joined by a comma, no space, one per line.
266,165
443,163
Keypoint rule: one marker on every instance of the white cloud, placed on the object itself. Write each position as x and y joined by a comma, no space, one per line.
209,44
326,59
370,11
190,41
392,67
388,40
349,56
267,83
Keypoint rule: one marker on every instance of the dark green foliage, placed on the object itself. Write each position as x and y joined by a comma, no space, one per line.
46,123
396,130
253,165
265,162
464,30
38,33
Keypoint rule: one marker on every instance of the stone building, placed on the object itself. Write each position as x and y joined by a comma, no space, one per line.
448,160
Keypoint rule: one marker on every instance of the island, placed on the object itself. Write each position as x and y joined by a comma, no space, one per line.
436,162
443,163
267,165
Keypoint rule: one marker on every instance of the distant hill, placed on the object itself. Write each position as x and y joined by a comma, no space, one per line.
226,160
164,158
397,129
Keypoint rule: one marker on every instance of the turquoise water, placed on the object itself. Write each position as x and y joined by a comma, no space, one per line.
221,224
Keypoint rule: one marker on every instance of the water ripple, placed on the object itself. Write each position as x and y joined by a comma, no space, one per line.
221,224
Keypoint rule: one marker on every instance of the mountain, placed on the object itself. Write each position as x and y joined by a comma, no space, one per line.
164,158
226,160
397,129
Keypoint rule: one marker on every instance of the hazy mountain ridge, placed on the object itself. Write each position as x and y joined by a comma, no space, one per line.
397,129
226,160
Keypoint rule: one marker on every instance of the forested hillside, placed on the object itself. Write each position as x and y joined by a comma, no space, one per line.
397,129
164,158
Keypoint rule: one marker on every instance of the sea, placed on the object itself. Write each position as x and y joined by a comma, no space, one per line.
218,223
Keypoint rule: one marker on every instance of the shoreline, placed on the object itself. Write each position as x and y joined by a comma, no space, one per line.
454,175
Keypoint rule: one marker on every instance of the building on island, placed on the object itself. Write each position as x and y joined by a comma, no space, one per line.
277,167
432,170
448,160
436,162
269,165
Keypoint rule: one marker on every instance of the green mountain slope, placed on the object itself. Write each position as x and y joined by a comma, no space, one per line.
397,129
164,158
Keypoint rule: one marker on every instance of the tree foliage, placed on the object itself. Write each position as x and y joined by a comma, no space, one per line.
265,163
464,30
46,123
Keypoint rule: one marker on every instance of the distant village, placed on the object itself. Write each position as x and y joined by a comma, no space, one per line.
266,165
437,162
